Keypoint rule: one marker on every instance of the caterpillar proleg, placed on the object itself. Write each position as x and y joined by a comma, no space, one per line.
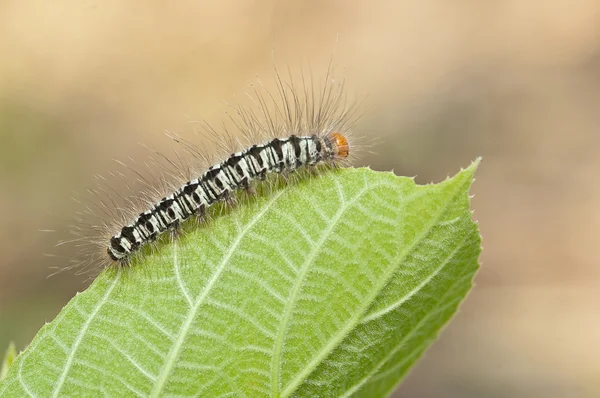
293,127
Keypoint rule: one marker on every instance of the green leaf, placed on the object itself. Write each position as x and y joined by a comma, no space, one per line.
9,357
331,286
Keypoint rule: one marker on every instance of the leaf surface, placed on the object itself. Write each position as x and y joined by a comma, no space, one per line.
331,286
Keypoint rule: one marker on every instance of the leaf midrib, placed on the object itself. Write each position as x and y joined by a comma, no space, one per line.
392,352
353,321
283,326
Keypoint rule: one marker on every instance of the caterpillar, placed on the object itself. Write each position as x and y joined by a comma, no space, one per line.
219,181
294,127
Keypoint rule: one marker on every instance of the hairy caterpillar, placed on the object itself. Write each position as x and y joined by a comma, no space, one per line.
219,181
294,127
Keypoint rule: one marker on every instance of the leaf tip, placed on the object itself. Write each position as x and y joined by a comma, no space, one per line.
475,163
469,172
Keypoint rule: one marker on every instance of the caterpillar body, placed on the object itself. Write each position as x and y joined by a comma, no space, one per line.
293,127
219,181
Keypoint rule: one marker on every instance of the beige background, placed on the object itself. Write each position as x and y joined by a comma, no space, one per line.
517,82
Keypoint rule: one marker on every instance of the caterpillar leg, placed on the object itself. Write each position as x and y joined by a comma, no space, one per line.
200,215
175,230
313,170
251,190
230,199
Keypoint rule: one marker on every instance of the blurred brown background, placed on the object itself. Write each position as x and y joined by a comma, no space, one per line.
517,82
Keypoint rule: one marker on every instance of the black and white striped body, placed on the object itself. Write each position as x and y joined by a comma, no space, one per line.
219,182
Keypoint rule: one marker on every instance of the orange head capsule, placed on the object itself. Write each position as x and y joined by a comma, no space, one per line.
341,145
